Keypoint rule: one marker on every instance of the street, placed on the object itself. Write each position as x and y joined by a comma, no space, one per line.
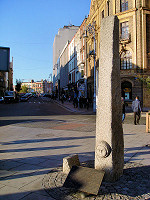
37,135
42,112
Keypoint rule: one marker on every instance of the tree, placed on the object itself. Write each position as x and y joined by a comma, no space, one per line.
18,85
145,80
24,89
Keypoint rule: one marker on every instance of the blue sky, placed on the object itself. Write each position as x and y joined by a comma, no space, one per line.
28,27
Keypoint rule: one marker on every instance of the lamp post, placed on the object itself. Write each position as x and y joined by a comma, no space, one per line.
91,30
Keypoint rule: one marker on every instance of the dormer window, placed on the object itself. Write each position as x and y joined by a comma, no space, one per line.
124,5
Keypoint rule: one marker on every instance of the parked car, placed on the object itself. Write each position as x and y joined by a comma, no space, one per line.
10,97
1,99
25,97
46,95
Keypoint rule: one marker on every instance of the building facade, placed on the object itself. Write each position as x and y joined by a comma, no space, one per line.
64,34
64,78
134,18
39,87
81,61
6,79
71,66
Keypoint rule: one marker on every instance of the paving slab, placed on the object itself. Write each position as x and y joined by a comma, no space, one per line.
37,197
11,193
5,173
9,164
35,187
31,153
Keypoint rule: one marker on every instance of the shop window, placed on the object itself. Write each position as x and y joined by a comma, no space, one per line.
126,90
124,5
126,60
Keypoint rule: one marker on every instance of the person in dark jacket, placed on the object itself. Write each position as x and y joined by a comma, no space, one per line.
136,107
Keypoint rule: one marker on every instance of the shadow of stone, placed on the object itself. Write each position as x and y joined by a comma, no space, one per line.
133,184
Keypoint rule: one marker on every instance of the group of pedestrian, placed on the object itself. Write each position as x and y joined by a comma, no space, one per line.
136,107
81,102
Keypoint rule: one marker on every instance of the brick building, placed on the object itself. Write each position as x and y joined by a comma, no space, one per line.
38,87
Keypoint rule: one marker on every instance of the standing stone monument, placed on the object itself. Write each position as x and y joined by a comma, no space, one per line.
109,149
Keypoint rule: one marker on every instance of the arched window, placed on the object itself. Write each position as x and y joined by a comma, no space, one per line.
126,60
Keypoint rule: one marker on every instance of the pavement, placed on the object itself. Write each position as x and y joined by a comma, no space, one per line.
31,161
69,106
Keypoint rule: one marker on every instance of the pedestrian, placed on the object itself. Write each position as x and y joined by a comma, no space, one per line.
123,109
136,107
62,99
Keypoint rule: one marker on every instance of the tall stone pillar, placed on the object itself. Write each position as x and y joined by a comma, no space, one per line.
109,149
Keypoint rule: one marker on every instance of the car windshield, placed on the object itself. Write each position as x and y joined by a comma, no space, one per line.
9,93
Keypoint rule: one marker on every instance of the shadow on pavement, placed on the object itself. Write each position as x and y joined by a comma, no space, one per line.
6,121
45,140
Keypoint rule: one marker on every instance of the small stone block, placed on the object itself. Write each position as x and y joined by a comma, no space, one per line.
84,179
70,161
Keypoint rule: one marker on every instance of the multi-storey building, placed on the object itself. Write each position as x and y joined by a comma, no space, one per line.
6,79
81,61
10,76
64,34
64,78
71,65
42,86
72,62
134,17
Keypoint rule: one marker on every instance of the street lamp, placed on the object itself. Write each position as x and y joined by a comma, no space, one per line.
91,30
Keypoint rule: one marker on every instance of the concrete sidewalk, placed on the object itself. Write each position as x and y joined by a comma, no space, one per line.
28,154
69,106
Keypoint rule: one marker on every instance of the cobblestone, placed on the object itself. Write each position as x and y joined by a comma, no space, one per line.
134,184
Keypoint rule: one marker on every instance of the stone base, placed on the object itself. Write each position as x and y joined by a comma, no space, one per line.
70,161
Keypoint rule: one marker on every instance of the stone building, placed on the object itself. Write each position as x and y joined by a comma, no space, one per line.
134,17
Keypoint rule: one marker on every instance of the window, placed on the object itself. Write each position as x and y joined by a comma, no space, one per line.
102,14
125,30
69,77
108,6
82,73
124,5
126,60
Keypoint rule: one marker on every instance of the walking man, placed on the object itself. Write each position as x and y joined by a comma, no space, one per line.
136,107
